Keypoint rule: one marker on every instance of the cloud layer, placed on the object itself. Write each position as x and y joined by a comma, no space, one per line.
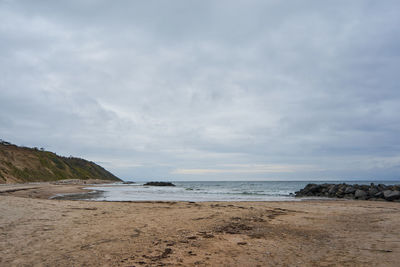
206,89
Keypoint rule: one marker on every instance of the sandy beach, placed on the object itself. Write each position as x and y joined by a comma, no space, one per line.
37,231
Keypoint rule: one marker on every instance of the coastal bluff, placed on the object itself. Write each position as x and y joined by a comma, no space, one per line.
362,192
23,164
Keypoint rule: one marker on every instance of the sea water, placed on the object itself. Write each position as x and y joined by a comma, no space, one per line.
210,191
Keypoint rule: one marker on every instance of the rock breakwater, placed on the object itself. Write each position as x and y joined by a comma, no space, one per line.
355,191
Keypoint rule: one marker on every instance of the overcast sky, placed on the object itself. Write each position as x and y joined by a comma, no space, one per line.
206,90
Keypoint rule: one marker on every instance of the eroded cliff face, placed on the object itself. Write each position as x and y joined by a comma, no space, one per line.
23,164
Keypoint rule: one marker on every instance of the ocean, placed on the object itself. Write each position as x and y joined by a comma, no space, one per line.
211,191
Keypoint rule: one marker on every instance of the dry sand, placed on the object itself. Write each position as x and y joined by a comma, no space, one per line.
41,232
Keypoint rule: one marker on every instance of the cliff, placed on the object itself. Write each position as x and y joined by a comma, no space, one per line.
23,164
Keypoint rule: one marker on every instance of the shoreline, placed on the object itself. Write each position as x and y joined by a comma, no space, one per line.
40,231
52,190
82,192
78,196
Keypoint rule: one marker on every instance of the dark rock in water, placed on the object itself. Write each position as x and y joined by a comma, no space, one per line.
360,194
372,191
314,188
159,184
391,195
128,182
349,190
309,190
382,187
332,189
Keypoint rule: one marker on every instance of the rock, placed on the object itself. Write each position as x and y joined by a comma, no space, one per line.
372,191
339,194
349,190
332,189
159,184
382,187
312,188
391,195
348,196
360,194
308,190
364,187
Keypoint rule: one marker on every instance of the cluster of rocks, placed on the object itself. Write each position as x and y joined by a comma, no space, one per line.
159,184
128,182
362,192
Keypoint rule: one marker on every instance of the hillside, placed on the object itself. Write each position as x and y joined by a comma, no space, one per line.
23,164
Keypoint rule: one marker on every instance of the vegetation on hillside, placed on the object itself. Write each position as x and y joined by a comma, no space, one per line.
24,164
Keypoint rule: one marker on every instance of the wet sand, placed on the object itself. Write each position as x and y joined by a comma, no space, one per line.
38,231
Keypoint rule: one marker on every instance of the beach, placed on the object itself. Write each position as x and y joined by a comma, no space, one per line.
39,231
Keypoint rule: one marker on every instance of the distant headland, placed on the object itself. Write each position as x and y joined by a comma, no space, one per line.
23,164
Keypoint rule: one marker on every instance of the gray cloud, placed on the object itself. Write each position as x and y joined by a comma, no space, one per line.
206,90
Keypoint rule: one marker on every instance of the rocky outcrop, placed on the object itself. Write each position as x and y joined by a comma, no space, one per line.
362,192
159,184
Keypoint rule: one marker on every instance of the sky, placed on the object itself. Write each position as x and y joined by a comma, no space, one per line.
206,90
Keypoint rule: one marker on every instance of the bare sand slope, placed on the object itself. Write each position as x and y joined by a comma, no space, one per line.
76,233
